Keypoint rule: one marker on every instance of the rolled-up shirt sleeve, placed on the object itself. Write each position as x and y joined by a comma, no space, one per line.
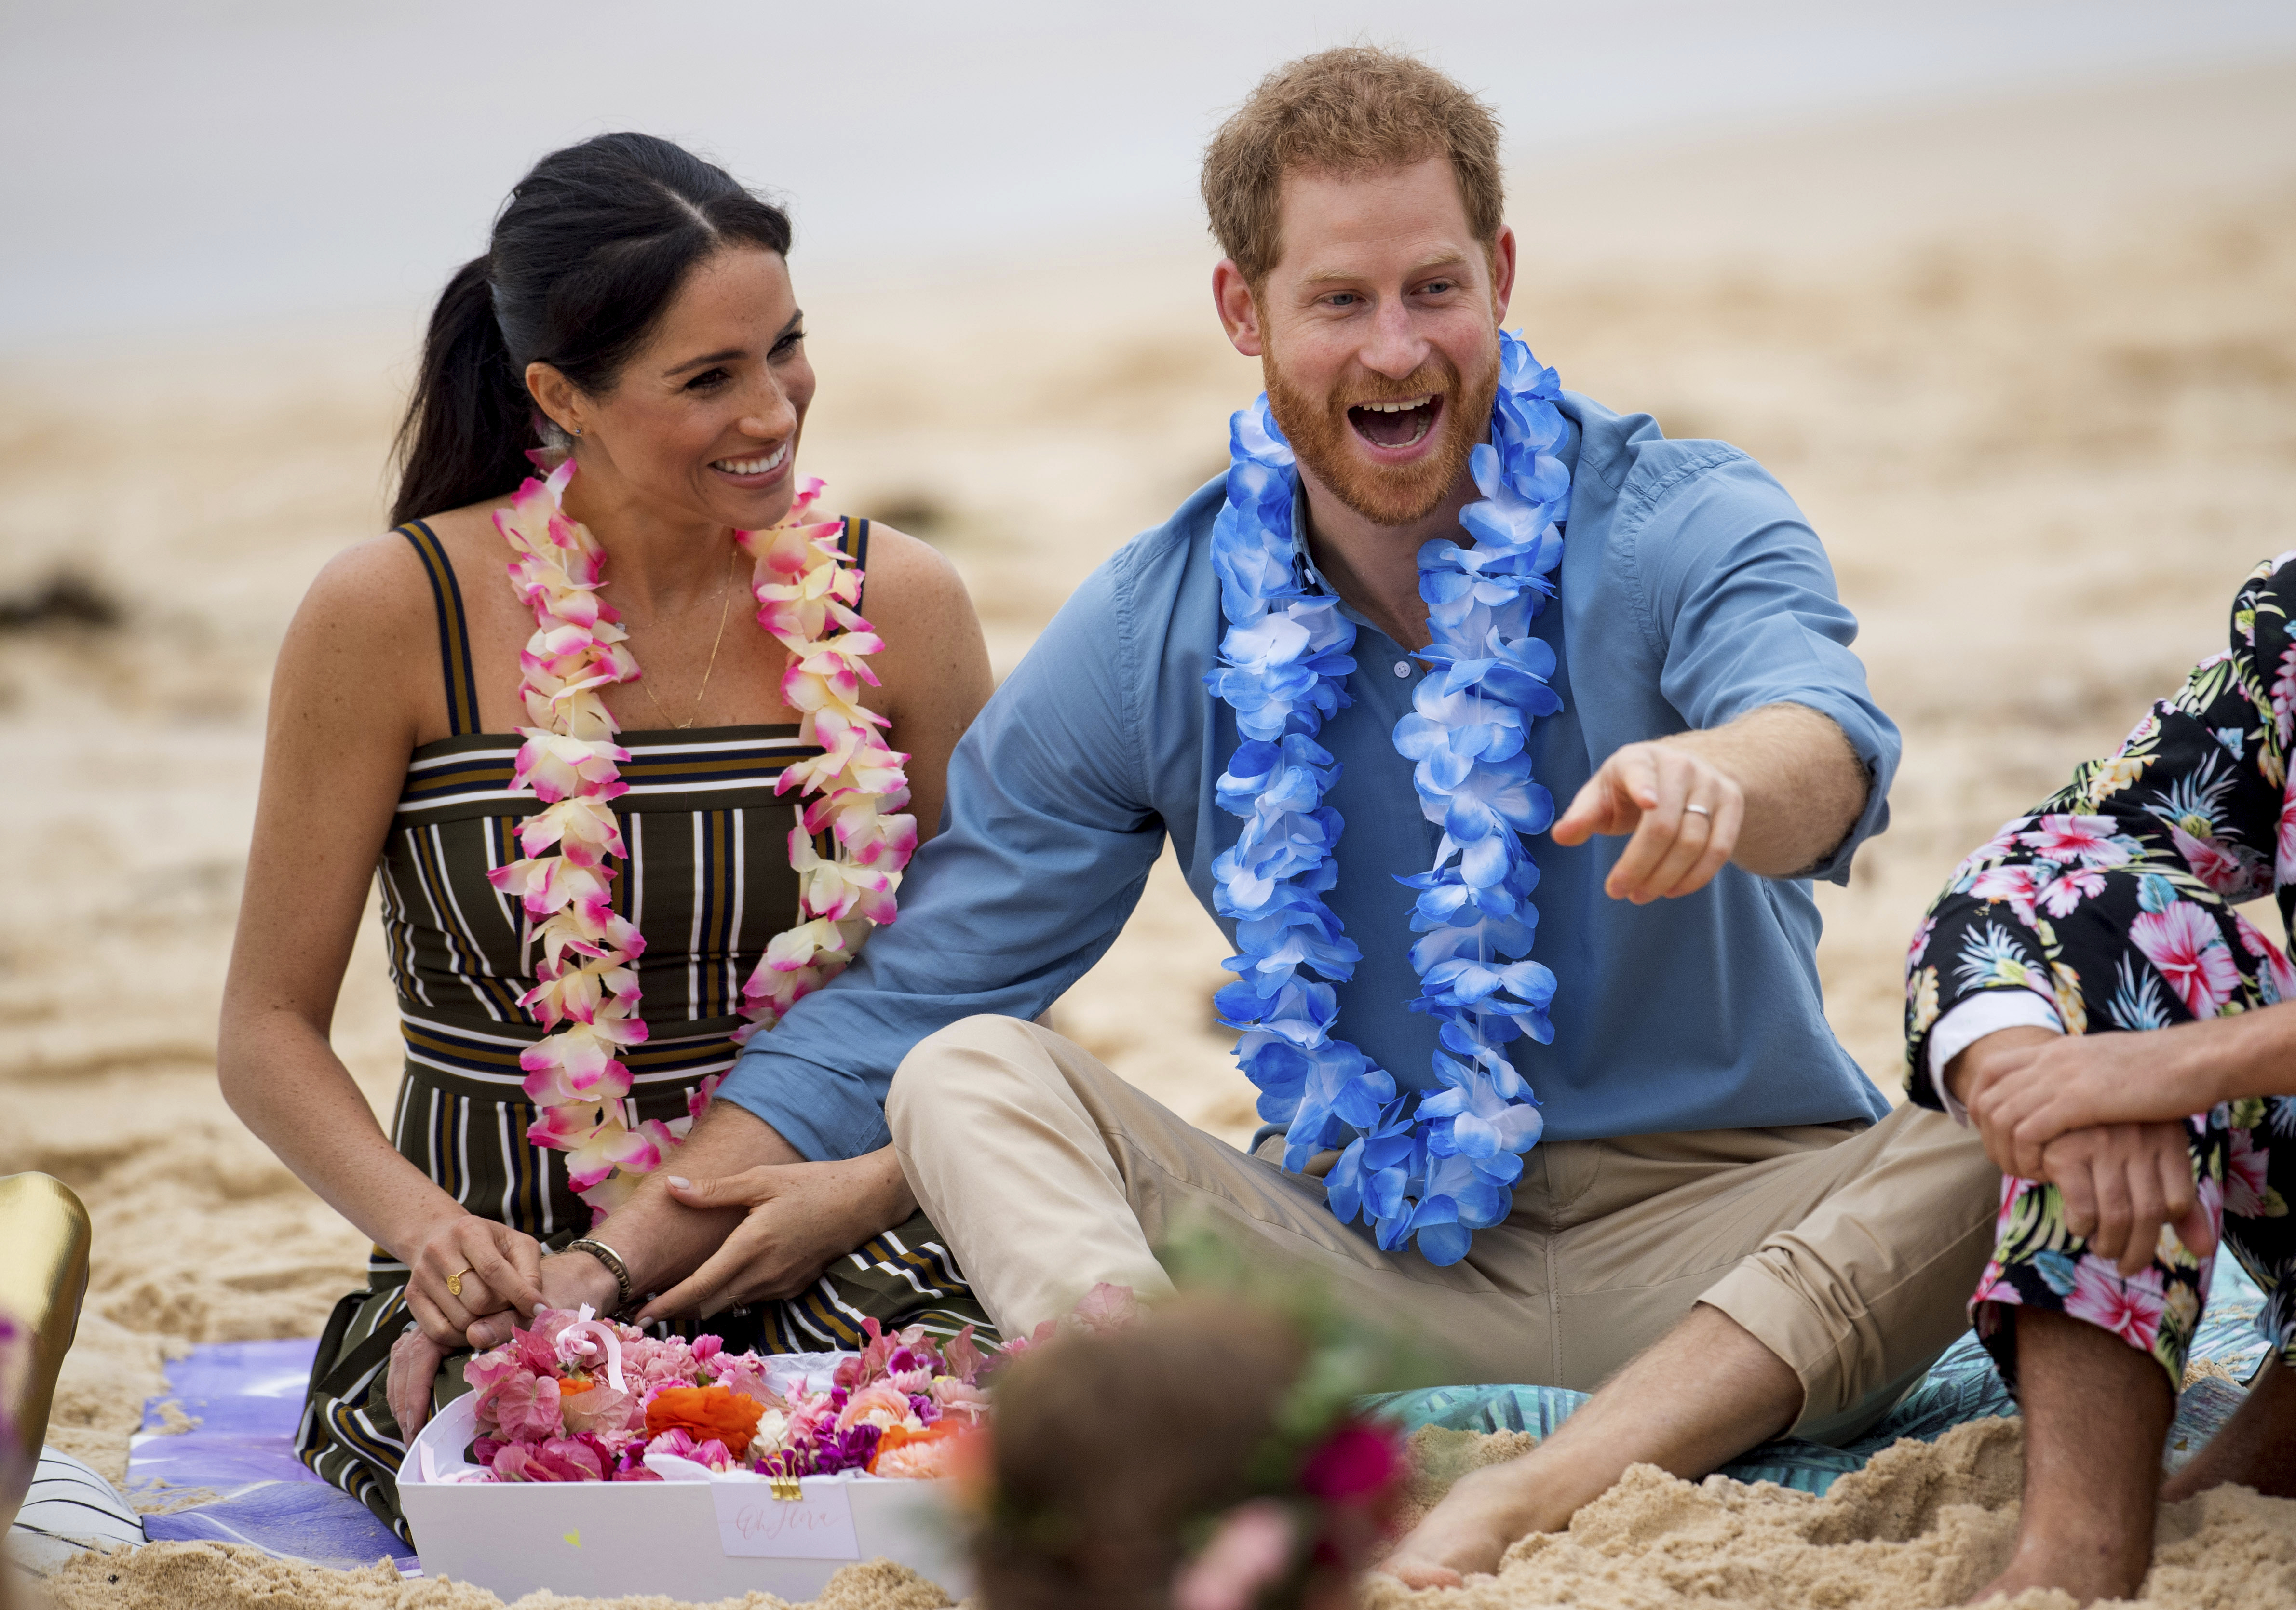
1045,844
1742,601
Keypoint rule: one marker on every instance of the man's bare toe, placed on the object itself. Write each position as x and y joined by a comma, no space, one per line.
1413,1571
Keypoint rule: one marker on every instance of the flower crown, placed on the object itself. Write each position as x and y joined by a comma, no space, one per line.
1326,1481
1322,1485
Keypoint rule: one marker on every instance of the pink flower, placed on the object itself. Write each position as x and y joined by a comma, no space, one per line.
1993,1287
558,1459
2088,841
2062,895
2014,884
698,1099
2184,946
918,1461
487,1370
680,1441
1106,1308
1921,944
2221,867
1250,1552
881,1404
2130,1308
2246,1182
963,1357
960,1397
601,1410
2284,867
1353,1462
2280,975
526,1406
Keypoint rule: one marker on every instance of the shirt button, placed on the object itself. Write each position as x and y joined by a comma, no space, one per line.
1403,667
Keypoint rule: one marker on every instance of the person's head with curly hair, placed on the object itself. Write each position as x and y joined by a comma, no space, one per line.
1207,1458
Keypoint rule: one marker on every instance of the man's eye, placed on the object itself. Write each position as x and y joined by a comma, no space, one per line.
1437,287
1342,298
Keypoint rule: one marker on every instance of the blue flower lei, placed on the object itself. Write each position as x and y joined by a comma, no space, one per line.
1441,1164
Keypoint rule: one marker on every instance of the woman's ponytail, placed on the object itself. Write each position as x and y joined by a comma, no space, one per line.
470,422
585,259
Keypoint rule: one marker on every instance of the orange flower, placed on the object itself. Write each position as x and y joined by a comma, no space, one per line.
569,1385
707,1412
917,1454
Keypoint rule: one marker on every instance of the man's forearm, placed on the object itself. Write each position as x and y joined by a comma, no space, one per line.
662,1240
2231,1059
1804,785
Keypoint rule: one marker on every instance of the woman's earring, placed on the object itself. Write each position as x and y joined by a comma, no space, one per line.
573,429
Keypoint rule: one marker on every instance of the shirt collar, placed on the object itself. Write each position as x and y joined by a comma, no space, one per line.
1303,562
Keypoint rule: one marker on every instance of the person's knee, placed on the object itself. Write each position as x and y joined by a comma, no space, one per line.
949,1064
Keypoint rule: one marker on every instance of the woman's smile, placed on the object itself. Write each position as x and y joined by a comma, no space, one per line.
756,472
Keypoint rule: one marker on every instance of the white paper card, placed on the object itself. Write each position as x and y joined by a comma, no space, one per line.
818,1526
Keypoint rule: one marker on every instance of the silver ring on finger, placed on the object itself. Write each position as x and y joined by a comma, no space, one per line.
1700,810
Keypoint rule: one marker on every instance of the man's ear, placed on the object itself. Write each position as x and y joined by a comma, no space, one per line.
1239,309
1502,271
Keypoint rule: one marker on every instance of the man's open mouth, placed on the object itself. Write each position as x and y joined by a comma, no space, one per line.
1403,422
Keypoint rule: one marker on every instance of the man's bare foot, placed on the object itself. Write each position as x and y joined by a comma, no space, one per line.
2104,1564
1466,1534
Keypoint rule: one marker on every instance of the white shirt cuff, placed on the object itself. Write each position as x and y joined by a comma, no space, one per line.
1974,1018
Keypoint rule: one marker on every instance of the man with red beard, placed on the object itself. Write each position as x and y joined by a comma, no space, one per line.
1471,594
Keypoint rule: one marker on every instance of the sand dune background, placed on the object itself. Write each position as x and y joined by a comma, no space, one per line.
2029,367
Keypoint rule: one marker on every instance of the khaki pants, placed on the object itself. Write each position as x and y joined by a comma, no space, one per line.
1848,1253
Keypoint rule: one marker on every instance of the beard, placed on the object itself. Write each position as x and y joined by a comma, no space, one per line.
1397,494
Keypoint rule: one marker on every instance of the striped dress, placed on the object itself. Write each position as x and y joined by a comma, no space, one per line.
707,882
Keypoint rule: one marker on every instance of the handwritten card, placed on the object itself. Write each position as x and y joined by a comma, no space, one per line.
817,1526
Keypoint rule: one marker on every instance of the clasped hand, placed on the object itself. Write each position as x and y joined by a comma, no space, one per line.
796,1217
2101,1117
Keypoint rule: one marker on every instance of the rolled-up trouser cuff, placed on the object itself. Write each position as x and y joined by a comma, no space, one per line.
1860,1297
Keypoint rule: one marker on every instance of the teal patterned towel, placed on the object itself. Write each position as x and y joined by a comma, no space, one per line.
1961,1386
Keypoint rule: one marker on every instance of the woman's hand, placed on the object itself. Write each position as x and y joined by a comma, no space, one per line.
2121,1183
493,1266
414,1361
2039,1091
800,1215
568,1279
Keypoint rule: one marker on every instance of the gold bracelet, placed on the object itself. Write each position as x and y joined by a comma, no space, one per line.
614,1266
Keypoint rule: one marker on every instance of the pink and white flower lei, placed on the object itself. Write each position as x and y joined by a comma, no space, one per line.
588,997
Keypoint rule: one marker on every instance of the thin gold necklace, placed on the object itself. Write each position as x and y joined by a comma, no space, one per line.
725,608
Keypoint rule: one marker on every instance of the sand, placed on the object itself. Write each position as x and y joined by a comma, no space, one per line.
2039,398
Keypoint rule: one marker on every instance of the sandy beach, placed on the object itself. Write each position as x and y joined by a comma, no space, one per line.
2029,367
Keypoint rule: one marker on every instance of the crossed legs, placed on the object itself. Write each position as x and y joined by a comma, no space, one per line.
1797,1281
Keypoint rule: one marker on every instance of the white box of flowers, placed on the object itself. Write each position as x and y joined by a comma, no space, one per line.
592,1458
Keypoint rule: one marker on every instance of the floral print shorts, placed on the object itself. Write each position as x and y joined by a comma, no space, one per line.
2244,1186
2115,905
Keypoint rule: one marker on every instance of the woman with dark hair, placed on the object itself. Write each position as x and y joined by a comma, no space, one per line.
593,799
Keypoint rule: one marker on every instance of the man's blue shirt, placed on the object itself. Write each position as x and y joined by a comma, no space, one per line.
1692,591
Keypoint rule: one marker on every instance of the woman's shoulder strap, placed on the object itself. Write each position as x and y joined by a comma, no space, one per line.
853,542
454,628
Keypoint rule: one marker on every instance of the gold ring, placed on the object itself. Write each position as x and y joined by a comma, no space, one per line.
454,1281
